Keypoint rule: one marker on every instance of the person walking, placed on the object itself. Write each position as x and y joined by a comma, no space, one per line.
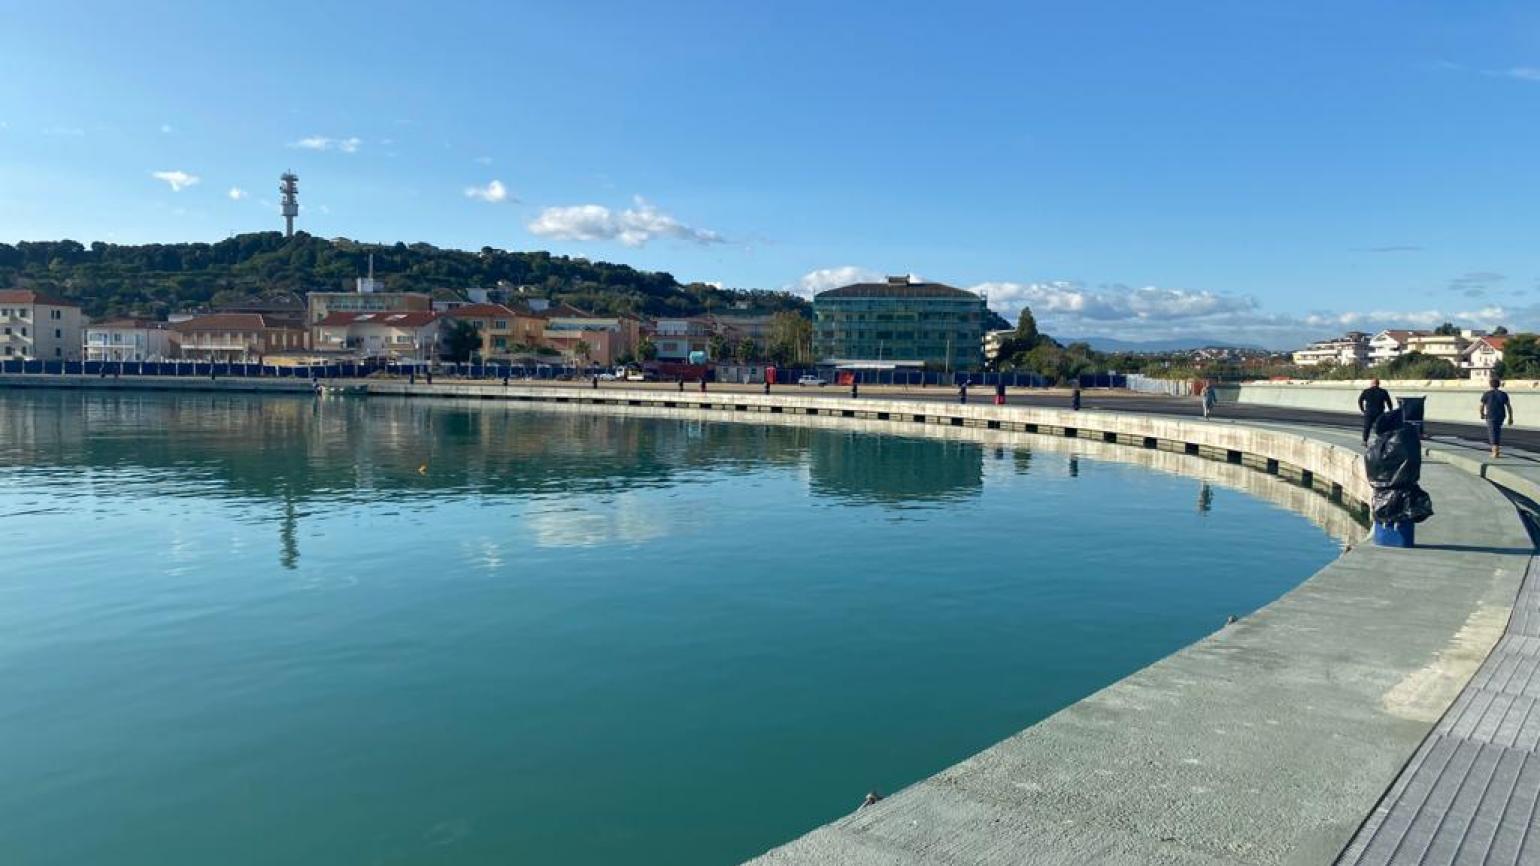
1496,410
962,392
1000,393
1373,402
1210,397
767,387
1074,398
855,388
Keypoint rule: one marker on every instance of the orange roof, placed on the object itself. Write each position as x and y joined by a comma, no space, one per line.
27,296
224,322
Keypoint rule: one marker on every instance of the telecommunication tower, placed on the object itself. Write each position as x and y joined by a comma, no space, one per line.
289,186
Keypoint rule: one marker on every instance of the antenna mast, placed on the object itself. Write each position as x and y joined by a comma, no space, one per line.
289,186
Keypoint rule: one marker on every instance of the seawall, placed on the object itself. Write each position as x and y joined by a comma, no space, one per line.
1447,400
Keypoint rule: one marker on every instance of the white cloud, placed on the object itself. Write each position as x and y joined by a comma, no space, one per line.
823,279
493,193
166,129
321,142
179,180
1111,303
236,193
634,226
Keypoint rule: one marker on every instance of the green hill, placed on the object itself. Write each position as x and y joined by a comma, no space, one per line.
111,279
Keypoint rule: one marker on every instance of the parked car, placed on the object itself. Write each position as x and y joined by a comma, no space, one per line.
607,376
811,380
640,376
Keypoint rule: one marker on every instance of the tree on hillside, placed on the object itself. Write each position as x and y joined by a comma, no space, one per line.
647,350
581,350
460,341
1521,357
716,347
1447,329
1500,331
745,350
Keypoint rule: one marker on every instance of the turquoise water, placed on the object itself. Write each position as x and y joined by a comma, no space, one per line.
246,630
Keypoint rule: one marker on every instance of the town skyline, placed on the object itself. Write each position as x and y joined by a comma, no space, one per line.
1237,179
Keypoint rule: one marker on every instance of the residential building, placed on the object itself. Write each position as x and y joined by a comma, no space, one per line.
321,304
900,320
37,326
130,340
735,328
675,339
1482,356
604,340
403,336
244,338
1449,347
993,340
1351,349
1390,344
496,324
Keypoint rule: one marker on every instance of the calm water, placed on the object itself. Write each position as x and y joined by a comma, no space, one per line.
274,630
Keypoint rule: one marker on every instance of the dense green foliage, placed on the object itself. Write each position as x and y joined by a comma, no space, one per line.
1521,357
460,340
155,279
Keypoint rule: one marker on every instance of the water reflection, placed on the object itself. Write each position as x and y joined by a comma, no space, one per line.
297,455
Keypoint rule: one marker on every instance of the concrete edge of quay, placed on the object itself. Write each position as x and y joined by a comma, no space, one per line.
1271,741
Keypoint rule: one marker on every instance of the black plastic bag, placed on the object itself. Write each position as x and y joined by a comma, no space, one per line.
1393,462
1401,504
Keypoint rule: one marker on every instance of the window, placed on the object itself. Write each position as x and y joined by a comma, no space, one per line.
21,313
58,334
55,314
57,351
24,332
500,324
7,350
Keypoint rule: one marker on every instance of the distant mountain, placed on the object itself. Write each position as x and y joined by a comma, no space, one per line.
1179,344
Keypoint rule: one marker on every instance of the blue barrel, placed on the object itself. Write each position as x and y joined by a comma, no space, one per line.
1401,534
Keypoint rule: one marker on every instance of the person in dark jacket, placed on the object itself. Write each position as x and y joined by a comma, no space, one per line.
1496,410
1000,393
1074,399
1373,402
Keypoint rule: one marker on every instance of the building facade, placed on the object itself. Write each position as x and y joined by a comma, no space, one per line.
1482,357
1349,350
494,322
675,339
594,339
900,320
130,340
240,338
411,336
38,327
321,304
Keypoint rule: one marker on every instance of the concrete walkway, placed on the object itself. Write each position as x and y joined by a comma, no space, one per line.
1471,794
1267,743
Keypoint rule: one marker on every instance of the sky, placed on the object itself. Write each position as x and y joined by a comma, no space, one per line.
1258,172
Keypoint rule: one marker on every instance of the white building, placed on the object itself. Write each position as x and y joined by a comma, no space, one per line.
401,336
1482,357
1390,344
35,326
130,340
993,340
1449,347
1351,349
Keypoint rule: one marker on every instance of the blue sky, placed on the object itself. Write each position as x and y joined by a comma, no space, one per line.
1257,171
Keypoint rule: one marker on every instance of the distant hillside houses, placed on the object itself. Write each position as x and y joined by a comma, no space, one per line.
1473,351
